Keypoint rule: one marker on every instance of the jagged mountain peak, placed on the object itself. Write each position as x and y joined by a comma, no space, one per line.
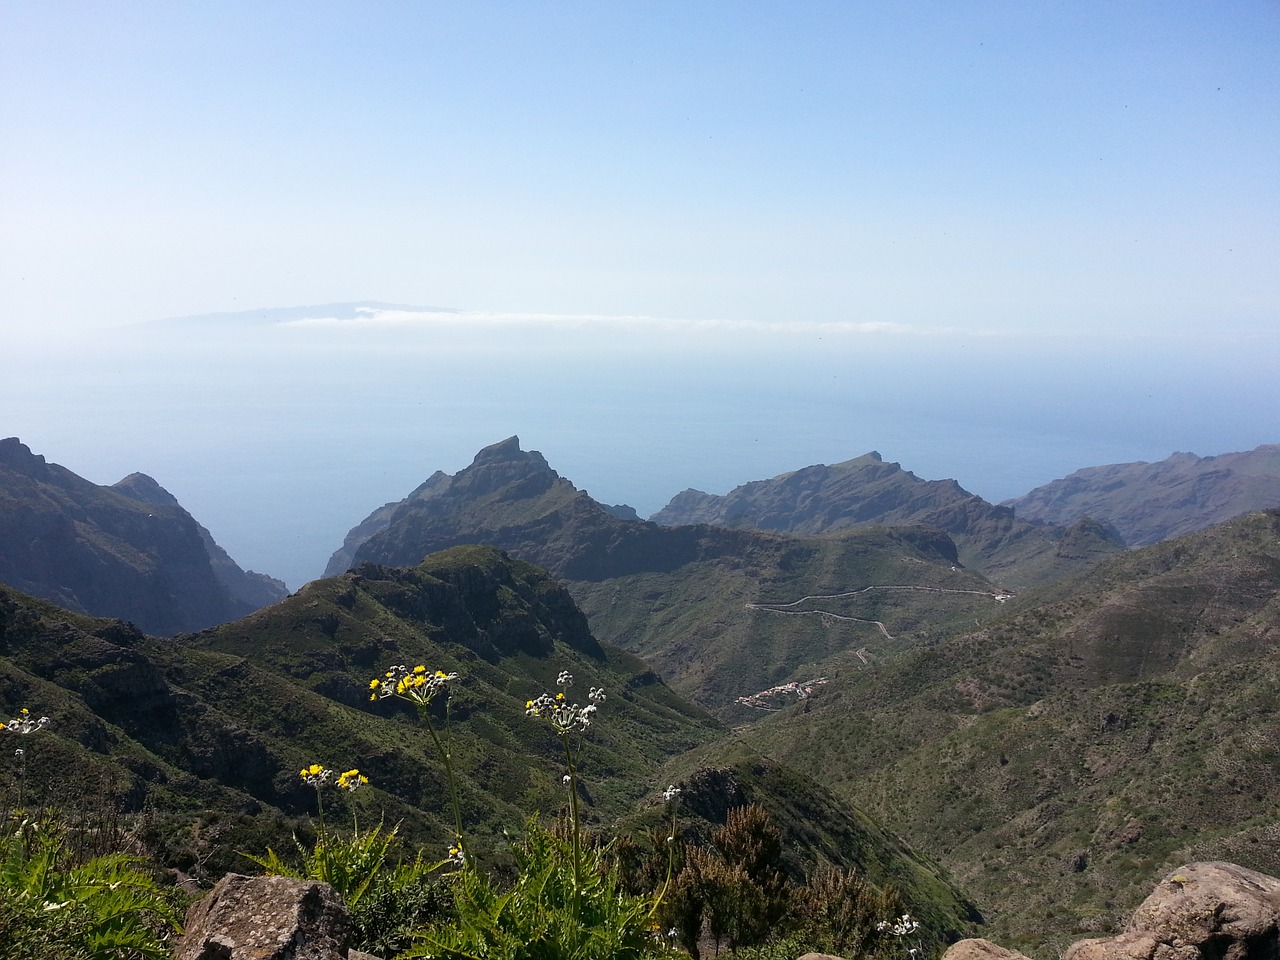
18,456
821,499
503,487
508,451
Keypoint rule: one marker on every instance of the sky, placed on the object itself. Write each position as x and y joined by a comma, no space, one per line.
669,245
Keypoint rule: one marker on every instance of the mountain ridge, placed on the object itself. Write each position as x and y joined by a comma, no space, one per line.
1150,502
698,602
129,550
821,499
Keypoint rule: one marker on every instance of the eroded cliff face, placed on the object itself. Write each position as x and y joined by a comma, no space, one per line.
128,551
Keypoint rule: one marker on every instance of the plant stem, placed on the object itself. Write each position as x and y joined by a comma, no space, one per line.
448,772
574,836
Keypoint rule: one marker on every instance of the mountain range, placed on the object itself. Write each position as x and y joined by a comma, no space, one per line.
912,680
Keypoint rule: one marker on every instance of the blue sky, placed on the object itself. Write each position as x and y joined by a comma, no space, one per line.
858,225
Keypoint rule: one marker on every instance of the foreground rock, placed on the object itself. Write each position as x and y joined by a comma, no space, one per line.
267,918
979,949
1202,911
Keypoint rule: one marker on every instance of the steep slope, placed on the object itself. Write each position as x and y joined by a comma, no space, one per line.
130,552
206,733
820,499
720,613
1150,502
245,586
1058,757
243,706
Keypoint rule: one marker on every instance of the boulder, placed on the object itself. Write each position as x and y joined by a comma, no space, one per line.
979,949
1201,911
266,918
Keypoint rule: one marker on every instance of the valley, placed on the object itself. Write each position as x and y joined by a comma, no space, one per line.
1015,724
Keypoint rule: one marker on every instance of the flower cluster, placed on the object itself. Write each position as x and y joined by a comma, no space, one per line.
903,926
315,775
351,781
563,715
25,723
417,685
670,793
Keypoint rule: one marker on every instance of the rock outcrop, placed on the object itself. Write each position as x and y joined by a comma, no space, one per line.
1202,911
979,949
267,918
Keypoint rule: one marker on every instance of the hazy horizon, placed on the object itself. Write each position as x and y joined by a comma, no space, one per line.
667,244
280,432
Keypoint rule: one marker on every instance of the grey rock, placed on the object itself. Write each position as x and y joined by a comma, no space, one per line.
266,918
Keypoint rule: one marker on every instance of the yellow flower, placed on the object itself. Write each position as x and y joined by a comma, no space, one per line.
421,669
314,775
375,683
351,780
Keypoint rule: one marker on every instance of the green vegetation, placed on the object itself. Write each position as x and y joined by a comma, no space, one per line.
195,744
1058,758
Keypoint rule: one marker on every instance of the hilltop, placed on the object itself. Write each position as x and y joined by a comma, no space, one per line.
128,551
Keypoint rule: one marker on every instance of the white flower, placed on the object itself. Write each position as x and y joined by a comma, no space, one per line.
670,793
565,679
26,724
901,927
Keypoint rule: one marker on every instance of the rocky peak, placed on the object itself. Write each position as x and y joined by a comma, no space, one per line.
508,451
18,456
505,465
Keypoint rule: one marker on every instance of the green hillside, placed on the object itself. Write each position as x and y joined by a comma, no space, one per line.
1092,736
196,741
224,719
730,624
